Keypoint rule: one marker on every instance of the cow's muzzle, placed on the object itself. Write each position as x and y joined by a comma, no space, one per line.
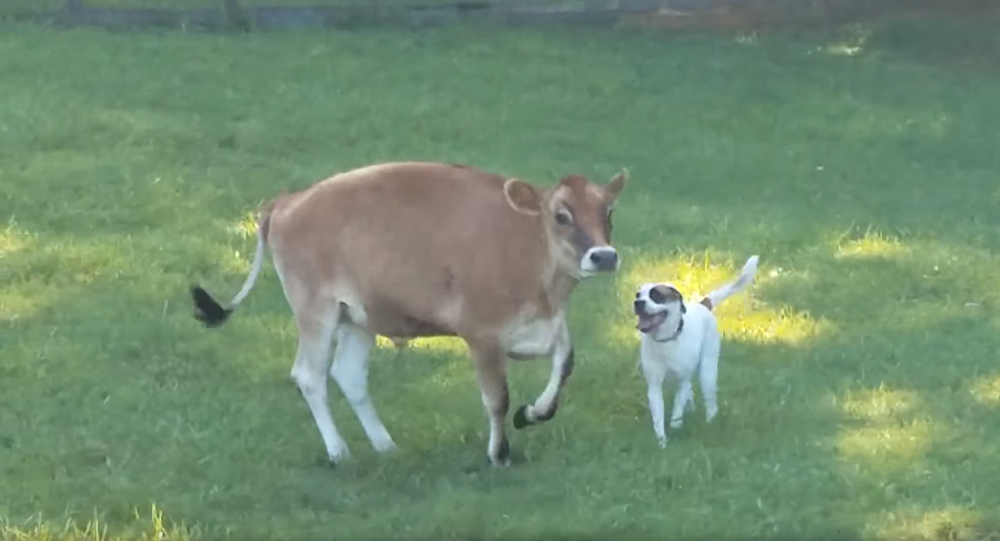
600,259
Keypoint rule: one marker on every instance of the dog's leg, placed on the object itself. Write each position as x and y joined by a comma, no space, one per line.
654,381
655,396
708,375
685,394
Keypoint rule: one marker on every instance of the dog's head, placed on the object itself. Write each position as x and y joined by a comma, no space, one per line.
659,307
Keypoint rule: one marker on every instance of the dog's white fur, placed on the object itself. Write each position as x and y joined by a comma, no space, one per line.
663,350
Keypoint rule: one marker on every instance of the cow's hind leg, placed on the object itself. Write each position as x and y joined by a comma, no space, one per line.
316,328
547,403
491,374
350,370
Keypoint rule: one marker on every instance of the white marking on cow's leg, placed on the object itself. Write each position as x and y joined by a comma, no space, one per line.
545,406
309,372
684,395
491,374
350,370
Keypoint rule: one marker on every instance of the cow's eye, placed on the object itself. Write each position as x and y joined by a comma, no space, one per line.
563,218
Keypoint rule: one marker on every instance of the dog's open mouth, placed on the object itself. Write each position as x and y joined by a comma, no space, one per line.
649,322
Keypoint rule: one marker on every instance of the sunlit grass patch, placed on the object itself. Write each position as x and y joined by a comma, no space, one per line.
893,431
879,405
245,227
888,444
952,523
741,317
152,528
441,344
13,239
37,273
871,244
987,390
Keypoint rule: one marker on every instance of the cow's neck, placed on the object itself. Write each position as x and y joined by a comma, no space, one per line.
558,285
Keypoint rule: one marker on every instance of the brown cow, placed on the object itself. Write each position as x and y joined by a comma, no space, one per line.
409,250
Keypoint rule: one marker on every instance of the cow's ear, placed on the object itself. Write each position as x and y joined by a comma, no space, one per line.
522,197
615,187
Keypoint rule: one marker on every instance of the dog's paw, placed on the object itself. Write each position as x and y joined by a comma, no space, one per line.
662,442
675,424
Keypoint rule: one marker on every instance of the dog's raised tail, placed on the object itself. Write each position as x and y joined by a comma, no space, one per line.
212,313
745,278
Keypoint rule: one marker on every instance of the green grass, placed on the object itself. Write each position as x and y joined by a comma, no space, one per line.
860,386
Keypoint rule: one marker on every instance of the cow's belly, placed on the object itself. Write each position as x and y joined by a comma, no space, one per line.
379,319
534,338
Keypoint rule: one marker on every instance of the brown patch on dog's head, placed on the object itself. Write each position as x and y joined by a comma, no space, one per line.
662,294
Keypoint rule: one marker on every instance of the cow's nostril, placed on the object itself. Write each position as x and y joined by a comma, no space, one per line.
604,259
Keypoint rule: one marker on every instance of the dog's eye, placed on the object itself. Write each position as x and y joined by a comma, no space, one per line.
657,296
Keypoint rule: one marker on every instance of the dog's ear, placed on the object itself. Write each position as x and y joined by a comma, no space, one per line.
674,292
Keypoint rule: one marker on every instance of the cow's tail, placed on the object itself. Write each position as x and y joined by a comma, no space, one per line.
208,310
722,293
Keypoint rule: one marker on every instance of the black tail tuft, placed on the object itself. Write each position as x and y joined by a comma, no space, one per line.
208,310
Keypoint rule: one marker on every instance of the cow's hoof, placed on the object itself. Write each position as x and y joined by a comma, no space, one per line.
503,454
499,463
521,417
337,458
385,447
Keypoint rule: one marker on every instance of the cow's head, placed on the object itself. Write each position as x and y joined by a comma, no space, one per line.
577,218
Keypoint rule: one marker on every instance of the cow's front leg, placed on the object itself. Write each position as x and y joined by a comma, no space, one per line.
491,374
547,403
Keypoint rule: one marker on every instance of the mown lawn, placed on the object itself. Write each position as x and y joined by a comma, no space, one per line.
860,388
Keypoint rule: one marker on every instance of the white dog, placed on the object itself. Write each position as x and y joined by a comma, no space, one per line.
680,339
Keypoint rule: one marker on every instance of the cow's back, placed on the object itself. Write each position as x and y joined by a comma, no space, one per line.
424,247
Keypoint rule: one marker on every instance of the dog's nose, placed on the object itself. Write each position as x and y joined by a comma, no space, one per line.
639,305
